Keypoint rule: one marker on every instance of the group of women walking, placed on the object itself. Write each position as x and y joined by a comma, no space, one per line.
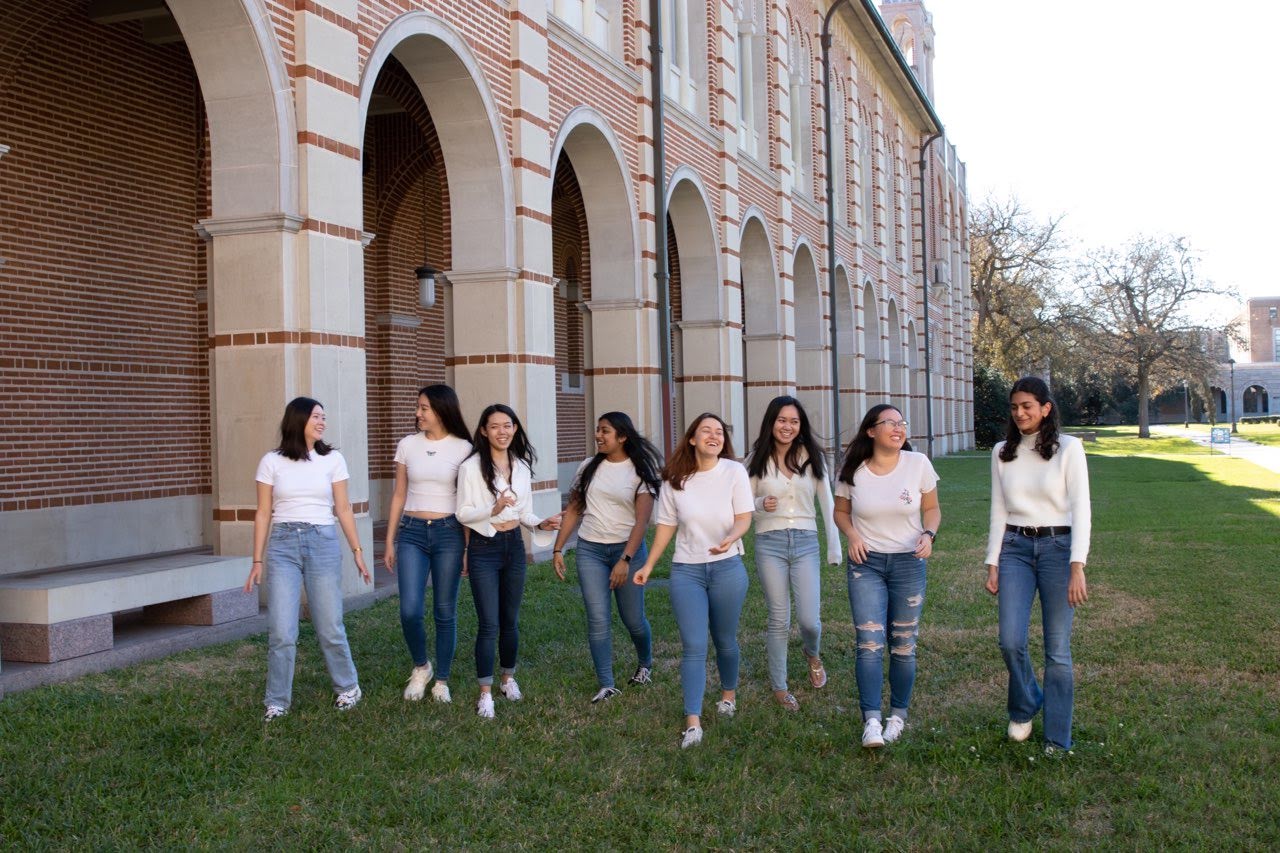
460,501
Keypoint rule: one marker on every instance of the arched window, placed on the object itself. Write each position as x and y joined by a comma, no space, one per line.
1256,401
866,162
683,39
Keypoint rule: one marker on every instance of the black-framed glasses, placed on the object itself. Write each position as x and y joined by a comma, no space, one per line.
893,424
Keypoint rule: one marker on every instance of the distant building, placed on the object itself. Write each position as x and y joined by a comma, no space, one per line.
1256,368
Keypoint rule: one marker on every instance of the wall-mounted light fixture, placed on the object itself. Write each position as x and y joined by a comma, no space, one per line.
426,286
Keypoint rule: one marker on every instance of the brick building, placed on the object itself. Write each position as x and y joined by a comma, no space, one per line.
212,206
1256,373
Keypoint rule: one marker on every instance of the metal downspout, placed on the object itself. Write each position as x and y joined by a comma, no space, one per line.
666,382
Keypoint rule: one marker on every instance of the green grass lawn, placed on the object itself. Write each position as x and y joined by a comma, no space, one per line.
1268,434
1177,658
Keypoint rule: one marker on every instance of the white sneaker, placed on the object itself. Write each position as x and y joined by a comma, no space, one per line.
418,681
643,676
726,708
692,737
1018,732
872,735
511,690
274,712
604,694
484,708
440,692
348,699
893,728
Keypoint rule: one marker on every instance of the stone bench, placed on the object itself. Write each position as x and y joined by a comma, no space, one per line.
1085,435
51,616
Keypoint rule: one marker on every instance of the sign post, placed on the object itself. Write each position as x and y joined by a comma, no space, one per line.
1220,435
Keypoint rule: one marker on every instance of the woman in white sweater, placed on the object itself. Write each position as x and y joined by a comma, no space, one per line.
706,496
1038,543
787,477
887,506
495,497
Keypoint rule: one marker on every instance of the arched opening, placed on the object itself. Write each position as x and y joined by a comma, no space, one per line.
763,344
1219,397
571,265
873,358
847,338
915,356
895,356
811,348
1256,401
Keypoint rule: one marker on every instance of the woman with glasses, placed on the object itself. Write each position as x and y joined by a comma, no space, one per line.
887,507
1038,543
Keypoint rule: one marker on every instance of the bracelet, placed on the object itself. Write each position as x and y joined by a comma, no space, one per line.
257,562
356,550
558,551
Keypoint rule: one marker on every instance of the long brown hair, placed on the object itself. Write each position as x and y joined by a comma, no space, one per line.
684,461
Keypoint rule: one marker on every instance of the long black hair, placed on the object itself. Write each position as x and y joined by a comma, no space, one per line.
444,402
1047,438
862,447
293,430
762,450
643,455
520,448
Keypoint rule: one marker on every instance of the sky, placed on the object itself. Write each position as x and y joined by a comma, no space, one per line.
1128,117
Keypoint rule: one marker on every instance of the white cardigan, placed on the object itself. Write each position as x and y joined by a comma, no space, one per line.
475,501
795,506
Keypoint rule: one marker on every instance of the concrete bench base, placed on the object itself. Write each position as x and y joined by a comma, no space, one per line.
49,617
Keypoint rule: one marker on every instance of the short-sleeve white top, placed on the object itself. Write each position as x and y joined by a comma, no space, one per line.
432,469
886,509
610,515
704,511
302,490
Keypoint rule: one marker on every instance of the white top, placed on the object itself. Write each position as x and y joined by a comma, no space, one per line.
475,501
432,469
1038,492
302,490
704,511
610,515
886,508
795,510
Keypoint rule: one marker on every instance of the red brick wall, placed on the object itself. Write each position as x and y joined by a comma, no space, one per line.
571,258
103,368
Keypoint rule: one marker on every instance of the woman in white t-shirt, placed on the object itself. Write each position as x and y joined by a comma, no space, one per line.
706,497
495,497
424,537
612,497
787,477
302,486
887,506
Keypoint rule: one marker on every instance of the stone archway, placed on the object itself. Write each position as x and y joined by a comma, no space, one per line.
813,387
847,337
895,358
873,358
764,343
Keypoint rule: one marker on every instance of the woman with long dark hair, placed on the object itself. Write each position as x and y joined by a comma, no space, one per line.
612,497
1038,542
302,487
425,538
887,506
787,476
495,497
706,497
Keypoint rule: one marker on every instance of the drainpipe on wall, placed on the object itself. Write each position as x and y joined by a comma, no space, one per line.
831,227
924,274
666,381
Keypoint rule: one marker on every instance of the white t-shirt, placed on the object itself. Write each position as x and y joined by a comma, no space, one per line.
302,491
1037,492
704,511
610,515
886,509
432,468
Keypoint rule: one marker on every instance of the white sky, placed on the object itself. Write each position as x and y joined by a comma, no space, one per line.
1128,116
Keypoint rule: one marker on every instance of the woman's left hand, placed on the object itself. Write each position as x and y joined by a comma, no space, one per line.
360,566
618,576
724,546
924,547
552,523
1077,588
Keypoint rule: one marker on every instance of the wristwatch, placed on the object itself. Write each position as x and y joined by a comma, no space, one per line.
932,535
626,558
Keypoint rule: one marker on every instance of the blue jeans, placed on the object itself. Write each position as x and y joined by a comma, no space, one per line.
429,548
304,555
496,568
1028,565
886,595
788,565
595,562
707,595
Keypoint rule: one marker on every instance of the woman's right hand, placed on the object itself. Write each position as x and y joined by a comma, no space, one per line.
857,549
770,503
557,560
389,555
504,500
255,577
641,577
993,579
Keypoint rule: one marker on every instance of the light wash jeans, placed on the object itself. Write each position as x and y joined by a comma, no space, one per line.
787,562
1028,565
496,568
429,548
304,555
886,595
707,595
595,562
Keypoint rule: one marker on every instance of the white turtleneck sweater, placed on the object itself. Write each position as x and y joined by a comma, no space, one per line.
1039,492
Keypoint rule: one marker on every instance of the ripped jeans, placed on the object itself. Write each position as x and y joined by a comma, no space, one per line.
886,595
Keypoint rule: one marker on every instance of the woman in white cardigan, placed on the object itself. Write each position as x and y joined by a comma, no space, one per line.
495,497
787,477
1038,543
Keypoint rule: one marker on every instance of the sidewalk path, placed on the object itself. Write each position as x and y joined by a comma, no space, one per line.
1258,454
